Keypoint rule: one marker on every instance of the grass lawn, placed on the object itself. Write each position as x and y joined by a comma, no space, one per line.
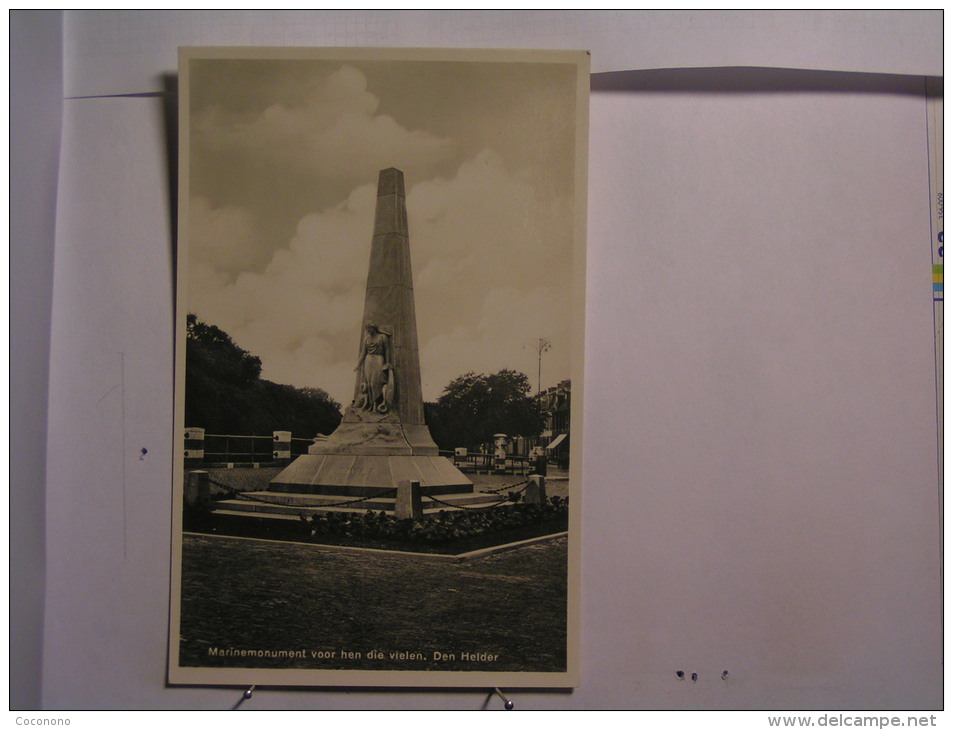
336,610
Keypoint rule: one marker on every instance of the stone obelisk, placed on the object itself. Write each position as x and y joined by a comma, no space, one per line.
382,438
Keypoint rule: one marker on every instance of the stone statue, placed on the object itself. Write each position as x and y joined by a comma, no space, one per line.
375,371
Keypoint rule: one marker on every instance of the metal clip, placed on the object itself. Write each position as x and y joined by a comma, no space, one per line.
246,695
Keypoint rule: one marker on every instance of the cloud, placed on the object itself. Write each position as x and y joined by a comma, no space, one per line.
504,335
332,133
492,272
223,237
491,215
491,275
302,313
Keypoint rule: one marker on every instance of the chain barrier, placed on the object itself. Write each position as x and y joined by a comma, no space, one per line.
242,495
463,507
508,486
385,493
238,494
482,506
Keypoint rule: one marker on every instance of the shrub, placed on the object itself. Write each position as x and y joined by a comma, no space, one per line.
437,529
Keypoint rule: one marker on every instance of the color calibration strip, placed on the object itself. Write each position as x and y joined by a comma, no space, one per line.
934,109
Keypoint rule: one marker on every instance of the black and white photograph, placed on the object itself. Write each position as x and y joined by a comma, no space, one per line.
380,300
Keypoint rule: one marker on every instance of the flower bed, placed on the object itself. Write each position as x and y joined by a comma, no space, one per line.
443,532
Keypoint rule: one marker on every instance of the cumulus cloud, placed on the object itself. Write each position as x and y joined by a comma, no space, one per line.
302,313
504,335
333,132
223,237
492,266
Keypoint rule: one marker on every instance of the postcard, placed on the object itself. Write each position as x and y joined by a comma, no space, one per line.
379,367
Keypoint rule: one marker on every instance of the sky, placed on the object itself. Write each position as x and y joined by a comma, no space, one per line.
284,157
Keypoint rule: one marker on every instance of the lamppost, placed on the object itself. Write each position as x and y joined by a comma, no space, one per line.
543,345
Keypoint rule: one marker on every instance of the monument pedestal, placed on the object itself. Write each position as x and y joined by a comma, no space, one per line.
363,475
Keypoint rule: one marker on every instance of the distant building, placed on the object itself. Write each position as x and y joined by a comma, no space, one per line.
554,407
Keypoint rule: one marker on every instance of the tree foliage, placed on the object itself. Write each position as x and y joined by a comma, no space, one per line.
474,406
224,392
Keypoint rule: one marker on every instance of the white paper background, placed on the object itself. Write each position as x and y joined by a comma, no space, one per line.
760,464
36,70
116,52
761,455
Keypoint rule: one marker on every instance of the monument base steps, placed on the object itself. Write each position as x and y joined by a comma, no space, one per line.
292,506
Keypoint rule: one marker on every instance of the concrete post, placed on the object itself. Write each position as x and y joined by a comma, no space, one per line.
408,504
536,490
540,466
197,492
282,445
194,447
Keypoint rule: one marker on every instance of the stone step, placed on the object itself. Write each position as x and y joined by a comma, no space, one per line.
318,500
292,505
376,503
262,515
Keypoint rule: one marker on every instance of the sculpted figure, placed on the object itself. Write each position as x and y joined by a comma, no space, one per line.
375,372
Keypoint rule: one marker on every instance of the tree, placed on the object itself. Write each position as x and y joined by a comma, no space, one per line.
474,406
213,350
225,394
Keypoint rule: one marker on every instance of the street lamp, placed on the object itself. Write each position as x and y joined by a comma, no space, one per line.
543,345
